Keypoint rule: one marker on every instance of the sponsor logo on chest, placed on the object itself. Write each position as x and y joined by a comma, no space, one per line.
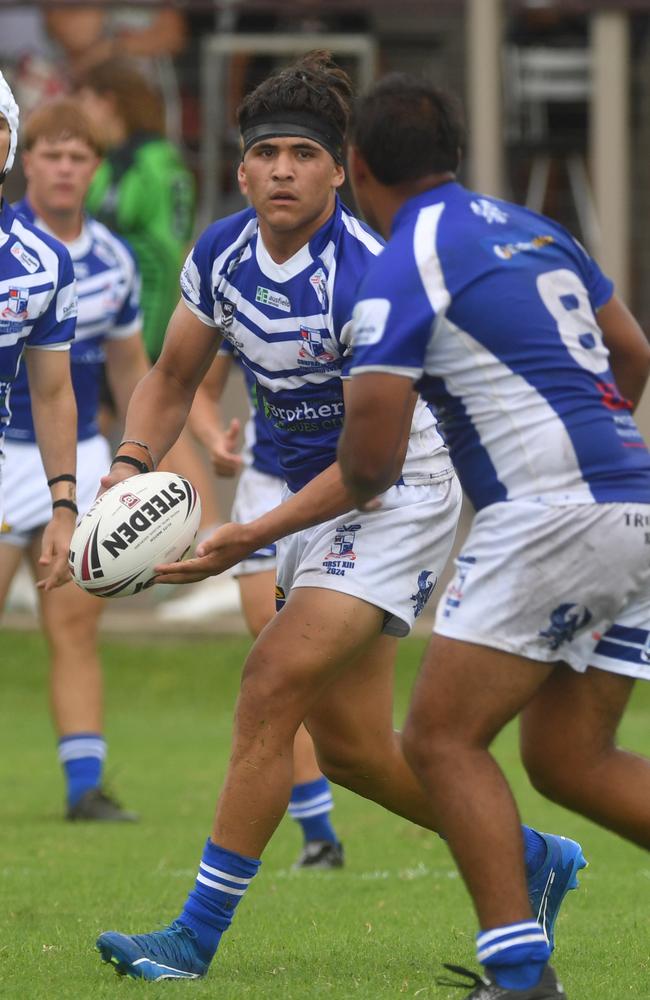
267,297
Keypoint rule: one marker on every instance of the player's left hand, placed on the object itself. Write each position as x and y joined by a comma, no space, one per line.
229,545
55,548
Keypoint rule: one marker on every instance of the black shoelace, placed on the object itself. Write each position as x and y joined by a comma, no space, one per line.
471,978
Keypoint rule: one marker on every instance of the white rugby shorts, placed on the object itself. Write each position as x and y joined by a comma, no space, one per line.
27,498
256,494
556,583
391,557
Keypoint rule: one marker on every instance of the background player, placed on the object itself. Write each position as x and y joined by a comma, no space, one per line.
515,334
39,306
279,281
260,488
62,150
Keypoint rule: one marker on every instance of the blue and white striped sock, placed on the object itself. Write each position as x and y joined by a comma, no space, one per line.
222,880
82,756
310,805
515,955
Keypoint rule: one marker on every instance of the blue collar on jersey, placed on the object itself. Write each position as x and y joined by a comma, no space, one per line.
421,200
278,124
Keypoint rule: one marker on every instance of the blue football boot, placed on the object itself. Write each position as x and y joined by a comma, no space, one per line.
548,886
168,954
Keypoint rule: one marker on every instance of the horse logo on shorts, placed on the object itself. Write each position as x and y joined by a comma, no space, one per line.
424,591
566,620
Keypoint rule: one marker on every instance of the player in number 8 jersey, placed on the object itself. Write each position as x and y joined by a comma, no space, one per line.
504,321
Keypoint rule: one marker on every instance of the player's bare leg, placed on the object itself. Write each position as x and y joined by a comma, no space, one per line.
356,745
10,559
321,846
568,741
464,696
257,595
315,637
70,620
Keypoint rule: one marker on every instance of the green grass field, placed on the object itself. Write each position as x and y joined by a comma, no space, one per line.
380,928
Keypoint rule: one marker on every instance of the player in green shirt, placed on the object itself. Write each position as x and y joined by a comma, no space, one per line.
142,190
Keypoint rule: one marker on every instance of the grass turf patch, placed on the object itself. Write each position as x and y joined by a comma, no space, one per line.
380,928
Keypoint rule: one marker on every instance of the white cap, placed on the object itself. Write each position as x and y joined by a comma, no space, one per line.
9,109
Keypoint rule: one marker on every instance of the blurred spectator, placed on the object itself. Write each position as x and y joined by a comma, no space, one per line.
144,192
151,33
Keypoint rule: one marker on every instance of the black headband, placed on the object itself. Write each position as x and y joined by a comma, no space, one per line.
277,124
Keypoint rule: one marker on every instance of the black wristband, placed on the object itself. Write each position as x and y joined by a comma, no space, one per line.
130,460
66,477
70,504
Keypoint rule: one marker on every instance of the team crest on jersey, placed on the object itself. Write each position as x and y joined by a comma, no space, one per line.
488,210
341,556
313,353
318,282
25,258
270,298
17,300
566,620
426,583
15,311
280,597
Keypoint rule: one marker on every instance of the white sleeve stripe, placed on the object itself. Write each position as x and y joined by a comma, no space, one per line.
128,330
49,347
427,259
199,313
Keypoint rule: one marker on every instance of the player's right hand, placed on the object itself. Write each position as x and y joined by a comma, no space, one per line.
117,474
223,454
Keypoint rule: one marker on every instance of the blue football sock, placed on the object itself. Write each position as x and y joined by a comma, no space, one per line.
310,805
534,850
82,756
514,955
222,880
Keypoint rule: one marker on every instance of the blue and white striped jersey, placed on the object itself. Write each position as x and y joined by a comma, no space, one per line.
38,303
108,292
491,309
259,451
290,323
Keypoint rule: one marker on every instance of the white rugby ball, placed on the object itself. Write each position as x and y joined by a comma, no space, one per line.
136,525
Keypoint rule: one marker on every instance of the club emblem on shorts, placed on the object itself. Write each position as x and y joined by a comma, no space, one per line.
341,555
16,307
455,589
426,583
566,620
280,597
312,353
